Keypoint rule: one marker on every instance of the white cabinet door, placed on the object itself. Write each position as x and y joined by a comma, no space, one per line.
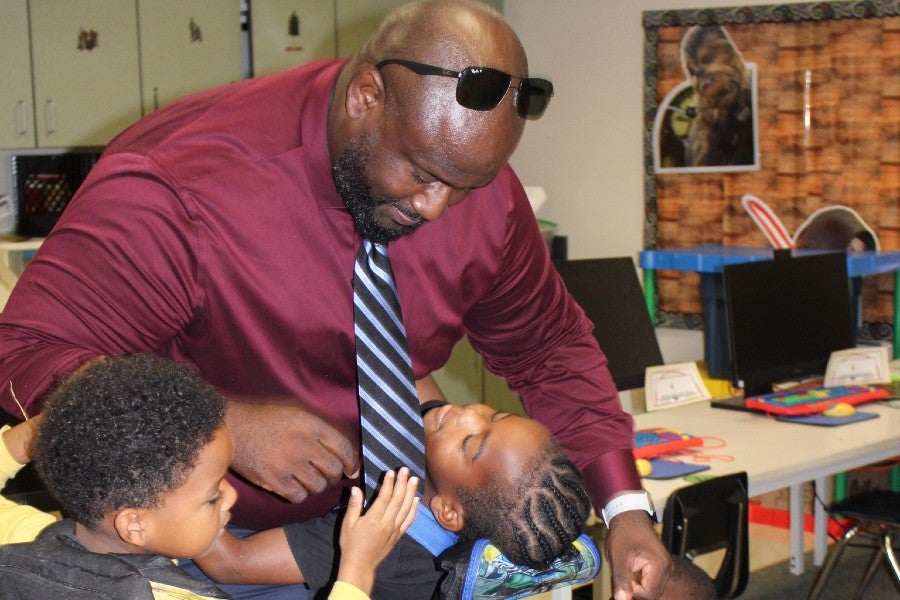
86,74
286,33
187,46
16,116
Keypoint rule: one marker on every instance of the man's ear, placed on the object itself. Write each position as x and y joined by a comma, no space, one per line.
131,526
365,93
448,513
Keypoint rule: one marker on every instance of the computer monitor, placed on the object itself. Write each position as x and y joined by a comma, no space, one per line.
612,298
785,317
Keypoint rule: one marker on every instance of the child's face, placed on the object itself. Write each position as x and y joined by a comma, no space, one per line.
190,517
467,446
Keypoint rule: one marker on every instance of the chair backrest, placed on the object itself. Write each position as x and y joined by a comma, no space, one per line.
711,516
610,293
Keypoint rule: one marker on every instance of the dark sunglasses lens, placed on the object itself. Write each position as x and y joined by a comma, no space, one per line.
534,97
480,88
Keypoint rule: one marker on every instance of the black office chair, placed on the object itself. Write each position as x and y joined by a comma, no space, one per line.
874,516
707,517
610,293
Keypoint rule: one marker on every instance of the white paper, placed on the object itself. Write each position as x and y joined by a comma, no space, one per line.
858,366
674,385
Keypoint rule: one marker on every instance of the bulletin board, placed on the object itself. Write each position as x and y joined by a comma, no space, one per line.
819,126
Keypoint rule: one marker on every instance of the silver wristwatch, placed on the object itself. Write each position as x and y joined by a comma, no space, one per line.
630,501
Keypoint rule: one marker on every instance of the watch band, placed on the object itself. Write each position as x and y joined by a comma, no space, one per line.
625,502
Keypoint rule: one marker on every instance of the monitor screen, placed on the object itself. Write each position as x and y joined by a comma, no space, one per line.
612,298
785,317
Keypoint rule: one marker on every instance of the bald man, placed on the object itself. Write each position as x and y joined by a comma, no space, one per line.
221,231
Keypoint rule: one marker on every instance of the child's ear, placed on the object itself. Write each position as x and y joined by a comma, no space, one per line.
130,526
449,513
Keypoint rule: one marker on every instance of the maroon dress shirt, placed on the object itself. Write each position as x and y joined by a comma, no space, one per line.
211,232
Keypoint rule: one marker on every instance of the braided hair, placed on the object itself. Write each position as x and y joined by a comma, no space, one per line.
546,505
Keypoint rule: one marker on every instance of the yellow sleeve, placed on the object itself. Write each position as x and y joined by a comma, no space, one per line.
18,522
346,591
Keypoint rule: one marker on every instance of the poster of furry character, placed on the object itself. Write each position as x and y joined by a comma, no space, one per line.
708,121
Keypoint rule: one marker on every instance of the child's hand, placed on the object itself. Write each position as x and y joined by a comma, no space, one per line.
19,439
367,539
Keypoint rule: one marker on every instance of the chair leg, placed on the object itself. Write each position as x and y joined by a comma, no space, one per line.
888,548
830,562
873,565
886,551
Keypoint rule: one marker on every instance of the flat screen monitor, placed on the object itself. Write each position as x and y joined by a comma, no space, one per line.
785,317
608,291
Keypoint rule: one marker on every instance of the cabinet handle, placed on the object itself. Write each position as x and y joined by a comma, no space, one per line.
20,117
50,116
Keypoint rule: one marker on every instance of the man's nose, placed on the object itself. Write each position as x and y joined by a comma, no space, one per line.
431,202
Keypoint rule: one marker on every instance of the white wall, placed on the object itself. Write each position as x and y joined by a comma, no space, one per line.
587,151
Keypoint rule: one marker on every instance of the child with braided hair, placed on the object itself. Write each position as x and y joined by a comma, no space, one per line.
489,474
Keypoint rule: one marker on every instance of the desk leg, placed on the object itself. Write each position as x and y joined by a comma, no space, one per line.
796,532
820,528
650,296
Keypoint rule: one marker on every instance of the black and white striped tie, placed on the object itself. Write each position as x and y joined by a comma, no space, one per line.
390,424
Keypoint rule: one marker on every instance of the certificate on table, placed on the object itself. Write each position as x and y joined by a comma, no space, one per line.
667,386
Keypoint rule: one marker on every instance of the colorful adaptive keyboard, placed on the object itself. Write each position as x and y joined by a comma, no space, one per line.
814,400
660,440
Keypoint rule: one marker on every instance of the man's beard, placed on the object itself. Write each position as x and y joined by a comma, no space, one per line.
349,174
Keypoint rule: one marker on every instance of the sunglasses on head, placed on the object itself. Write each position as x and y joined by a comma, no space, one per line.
482,88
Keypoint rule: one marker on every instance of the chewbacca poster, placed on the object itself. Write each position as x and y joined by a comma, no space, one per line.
708,121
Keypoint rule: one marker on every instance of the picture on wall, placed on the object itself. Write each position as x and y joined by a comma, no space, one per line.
707,122
820,125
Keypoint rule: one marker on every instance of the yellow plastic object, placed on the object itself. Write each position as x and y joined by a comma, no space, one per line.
841,409
644,467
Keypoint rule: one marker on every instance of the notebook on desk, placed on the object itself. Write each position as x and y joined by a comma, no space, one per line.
805,401
657,441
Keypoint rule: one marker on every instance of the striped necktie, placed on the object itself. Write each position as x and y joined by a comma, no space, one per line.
390,424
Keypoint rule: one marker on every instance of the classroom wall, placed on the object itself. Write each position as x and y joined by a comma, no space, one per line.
587,150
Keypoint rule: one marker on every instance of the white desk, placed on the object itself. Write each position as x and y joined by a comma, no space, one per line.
776,455
779,455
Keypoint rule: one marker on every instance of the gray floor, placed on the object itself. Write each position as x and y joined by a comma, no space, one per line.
776,582
771,578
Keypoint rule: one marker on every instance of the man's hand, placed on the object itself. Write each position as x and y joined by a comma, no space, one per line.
287,450
640,563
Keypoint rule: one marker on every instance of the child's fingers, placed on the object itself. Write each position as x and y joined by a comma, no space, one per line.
410,516
379,505
398,494
407,509
354,507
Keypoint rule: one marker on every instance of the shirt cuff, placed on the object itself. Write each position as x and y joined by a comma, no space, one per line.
341,590
8,465
609,474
